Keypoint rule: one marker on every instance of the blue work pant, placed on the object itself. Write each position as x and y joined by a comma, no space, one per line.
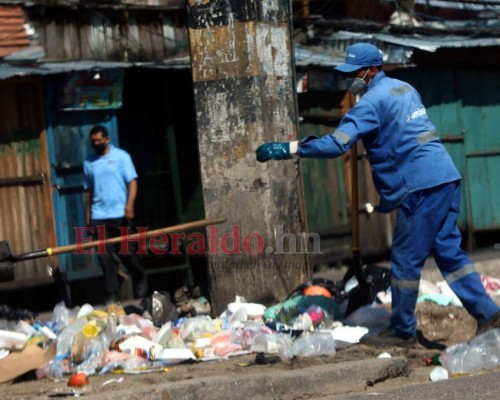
427,224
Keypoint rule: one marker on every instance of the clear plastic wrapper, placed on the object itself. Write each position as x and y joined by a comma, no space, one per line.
316,344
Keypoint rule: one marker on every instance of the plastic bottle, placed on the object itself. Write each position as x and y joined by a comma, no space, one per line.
316,344
111,328
482,352
434,360
93,351
68,335
63,316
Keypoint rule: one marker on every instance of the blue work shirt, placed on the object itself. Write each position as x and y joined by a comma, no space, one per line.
404,150
108,177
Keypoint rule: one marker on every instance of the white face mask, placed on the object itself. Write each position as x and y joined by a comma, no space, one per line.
357,85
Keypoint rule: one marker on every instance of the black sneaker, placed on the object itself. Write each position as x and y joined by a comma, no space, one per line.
388,339
492,323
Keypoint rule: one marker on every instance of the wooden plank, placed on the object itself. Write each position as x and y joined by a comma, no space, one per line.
85,31
133,39
47,206
145,38
168,36
68,40
21,205
35,234
11,210
99,34
94,37
24,166
157,50
109,39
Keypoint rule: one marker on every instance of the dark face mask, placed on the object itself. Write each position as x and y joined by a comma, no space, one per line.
100,148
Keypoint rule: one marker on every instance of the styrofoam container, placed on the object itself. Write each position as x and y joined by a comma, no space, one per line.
346,336
253,309
174,356
12,340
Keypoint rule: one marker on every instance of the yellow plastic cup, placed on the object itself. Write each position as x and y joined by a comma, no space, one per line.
90,330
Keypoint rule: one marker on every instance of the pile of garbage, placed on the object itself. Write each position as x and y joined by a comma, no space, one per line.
311,321
93,341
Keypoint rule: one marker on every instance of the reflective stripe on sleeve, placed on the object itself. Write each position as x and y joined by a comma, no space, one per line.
400,90
341,136
426,137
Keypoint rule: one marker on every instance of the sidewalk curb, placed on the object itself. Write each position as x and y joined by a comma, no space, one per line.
310,382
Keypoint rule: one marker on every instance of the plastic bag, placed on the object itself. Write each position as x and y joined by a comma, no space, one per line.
272,343
63,316
160,307
193,328
376,319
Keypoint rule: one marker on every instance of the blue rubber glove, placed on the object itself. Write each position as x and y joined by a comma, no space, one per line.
273,151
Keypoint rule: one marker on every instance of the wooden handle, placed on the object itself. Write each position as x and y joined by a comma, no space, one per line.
170,229
355,210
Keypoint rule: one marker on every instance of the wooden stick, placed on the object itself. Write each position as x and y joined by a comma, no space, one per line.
170,229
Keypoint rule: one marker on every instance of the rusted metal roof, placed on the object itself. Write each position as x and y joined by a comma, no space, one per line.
13,35
103,4
10,71
50,68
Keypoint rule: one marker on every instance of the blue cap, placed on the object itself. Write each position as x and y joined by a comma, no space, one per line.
360,55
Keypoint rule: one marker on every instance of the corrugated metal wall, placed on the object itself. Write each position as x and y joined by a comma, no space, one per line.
25,190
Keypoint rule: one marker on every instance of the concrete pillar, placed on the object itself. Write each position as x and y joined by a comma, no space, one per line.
243,77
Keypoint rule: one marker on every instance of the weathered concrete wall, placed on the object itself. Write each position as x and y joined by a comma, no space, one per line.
242,67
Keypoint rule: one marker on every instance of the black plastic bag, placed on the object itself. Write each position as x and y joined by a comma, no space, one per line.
160,308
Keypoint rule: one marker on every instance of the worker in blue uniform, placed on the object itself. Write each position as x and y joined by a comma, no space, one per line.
413,173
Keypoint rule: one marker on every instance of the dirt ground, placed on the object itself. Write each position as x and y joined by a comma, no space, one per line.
440,326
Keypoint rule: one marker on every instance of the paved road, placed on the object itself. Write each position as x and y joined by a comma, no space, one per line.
480,387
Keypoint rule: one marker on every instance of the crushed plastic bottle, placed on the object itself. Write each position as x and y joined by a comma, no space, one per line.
482,352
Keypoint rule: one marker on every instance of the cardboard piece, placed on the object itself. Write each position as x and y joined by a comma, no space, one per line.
20,362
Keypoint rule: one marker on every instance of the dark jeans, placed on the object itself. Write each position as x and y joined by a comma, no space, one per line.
110,228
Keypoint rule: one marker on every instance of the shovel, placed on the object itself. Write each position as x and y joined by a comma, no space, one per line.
59,276
371,278
7,256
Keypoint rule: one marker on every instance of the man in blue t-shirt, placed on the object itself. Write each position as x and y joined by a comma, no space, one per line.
110,181
413,173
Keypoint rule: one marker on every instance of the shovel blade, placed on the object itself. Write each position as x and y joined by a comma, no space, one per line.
376,279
